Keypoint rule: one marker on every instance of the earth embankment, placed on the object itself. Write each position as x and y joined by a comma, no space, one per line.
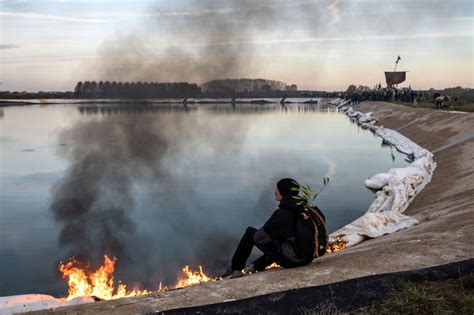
445,209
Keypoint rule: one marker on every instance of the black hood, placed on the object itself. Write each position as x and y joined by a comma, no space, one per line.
290,203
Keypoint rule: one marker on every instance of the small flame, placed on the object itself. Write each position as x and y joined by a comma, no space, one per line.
339,244
272,266
193,277
99,283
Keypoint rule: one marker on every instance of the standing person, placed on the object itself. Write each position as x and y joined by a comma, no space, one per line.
274,238
439,101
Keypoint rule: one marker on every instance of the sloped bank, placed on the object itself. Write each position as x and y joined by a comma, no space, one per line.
444,210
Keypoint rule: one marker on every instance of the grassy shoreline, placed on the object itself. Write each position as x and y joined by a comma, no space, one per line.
428,297
464,107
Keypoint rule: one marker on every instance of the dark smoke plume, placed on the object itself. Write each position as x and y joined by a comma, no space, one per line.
109,156
93,200
204,40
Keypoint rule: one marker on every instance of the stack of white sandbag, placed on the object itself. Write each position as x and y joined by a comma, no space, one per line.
396,189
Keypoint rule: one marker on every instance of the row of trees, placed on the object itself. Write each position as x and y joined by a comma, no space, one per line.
246,86
215,88
92,89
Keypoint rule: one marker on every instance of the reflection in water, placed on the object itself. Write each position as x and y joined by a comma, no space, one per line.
94,199
230,108
164,186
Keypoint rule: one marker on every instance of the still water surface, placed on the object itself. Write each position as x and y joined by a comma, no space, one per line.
170,186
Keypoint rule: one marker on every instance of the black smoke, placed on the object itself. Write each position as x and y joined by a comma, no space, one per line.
198,41
112,158
92,202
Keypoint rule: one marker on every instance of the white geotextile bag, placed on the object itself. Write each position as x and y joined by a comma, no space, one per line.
395,189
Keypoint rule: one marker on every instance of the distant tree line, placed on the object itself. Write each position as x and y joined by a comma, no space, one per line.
92,89
35,95
227,88
245,86
215,88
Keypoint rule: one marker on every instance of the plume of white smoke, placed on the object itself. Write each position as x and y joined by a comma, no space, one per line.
331,168
334,8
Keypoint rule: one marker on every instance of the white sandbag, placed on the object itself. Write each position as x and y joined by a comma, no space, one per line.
373,225
396,189
34,302
366,117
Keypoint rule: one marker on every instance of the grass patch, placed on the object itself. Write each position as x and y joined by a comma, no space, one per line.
463,107
455,296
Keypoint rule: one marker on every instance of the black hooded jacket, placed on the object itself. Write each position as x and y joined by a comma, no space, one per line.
281,225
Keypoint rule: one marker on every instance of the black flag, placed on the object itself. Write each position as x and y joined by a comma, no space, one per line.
393,78
398,59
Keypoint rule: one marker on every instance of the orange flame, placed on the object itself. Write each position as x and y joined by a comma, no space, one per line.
272,266
339,244
193,277
99,283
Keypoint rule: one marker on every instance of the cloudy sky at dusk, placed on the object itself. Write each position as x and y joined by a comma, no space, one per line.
323,45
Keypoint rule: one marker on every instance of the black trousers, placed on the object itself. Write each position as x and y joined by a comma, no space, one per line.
243,251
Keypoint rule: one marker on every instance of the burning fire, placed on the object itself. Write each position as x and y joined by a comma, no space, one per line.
193,277
272,266
100,283
337,245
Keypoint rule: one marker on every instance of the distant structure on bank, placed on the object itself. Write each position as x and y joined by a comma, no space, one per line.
395,77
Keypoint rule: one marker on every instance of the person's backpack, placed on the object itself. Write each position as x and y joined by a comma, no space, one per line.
311,237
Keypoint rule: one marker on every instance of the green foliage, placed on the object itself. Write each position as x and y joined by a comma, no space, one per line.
465,107
453,296
351,88
467,281
466,306
308,194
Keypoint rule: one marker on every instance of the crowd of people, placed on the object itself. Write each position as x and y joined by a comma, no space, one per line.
393,94
387,94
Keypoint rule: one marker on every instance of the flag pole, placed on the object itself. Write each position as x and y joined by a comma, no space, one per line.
396,63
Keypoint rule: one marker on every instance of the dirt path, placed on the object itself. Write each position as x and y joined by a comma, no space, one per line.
445,209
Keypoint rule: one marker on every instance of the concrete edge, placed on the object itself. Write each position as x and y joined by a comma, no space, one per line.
343,296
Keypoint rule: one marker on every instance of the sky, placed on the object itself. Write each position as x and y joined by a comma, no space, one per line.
50,45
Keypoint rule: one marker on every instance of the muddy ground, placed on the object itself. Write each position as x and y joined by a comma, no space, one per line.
445,209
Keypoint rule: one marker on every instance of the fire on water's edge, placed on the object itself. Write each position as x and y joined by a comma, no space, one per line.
100,283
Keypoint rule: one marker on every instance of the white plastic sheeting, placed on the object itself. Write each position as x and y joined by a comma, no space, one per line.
396,189
34,302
